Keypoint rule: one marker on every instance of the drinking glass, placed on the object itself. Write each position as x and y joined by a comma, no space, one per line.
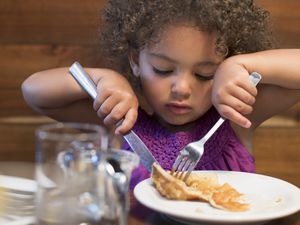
78,176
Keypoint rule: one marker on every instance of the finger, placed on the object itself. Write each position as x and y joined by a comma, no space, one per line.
243,95
100,99
107,106
248,86
237,105
116,114
128,122
233,115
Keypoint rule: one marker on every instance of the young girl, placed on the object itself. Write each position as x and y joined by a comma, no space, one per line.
188,61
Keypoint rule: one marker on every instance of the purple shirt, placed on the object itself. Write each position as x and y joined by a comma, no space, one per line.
223,151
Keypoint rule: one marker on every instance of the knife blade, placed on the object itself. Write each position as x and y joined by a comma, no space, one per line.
133,140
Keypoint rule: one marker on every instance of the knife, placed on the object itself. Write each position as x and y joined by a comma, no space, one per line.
136,144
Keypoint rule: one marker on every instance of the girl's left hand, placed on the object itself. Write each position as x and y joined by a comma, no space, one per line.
233,95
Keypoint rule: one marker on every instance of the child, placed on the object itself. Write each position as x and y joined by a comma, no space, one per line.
188,61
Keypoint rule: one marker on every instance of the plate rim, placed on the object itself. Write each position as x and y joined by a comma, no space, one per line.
27,220
18,183
232,219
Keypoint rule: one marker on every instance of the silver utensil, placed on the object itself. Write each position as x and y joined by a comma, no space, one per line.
136,144
190,155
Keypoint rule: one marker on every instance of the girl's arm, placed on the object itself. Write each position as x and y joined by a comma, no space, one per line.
56,94
236,99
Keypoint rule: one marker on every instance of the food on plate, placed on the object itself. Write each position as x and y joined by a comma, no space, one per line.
198,186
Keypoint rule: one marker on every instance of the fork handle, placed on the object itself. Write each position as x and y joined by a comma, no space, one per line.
212,130
254,79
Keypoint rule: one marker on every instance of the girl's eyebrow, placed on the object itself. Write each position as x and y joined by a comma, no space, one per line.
202,63
208,63
161,56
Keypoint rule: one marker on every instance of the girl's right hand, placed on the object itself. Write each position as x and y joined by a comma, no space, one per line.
115,101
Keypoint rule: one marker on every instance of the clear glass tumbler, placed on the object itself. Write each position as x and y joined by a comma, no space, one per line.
81,179
68,173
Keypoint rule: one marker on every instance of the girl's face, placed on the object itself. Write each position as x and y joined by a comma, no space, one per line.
176,74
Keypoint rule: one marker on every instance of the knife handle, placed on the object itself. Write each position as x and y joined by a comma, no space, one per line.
86,83
83,79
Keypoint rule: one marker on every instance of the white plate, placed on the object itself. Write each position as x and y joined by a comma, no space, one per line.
18,183
23,187
21,221
269,198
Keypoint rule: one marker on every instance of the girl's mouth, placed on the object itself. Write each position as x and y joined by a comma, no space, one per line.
178,109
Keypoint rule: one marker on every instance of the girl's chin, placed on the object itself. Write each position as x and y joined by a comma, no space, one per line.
176,123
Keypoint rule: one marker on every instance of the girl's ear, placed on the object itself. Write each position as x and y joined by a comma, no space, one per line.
133,58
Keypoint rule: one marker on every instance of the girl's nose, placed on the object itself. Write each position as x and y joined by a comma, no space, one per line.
181,88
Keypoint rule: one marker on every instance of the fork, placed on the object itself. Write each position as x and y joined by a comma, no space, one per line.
190,155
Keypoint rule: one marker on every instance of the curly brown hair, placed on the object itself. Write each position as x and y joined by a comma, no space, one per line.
240,25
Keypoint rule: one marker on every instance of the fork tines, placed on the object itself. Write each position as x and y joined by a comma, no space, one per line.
182,166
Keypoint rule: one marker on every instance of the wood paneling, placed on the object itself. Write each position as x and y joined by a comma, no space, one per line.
19,61
285,19
17,138
49,22
277,152
76,22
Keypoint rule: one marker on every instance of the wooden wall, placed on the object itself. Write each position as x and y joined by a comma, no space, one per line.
40,34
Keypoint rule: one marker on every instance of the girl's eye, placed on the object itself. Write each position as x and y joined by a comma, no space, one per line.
204,77
162,72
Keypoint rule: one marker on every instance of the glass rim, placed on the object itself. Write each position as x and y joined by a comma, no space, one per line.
121,152
50,131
